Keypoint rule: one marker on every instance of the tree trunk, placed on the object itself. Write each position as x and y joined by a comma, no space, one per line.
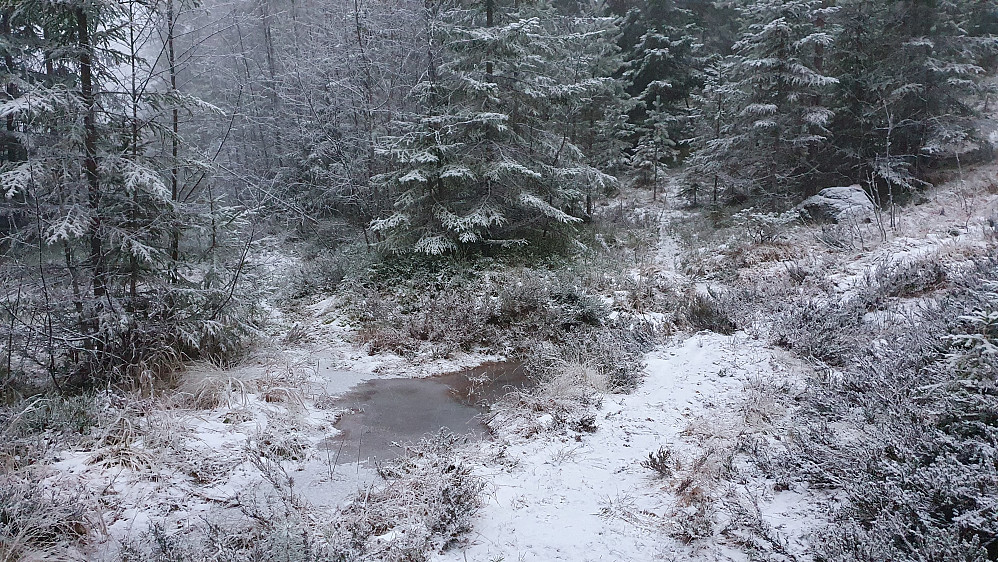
489,22
133,260
90,152
175,138
11,88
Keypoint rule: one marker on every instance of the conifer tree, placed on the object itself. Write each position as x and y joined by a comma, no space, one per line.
712,170
100,221
768,140
483,165
908,72
662,67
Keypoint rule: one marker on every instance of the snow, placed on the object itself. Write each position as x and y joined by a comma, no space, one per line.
557,494
590,499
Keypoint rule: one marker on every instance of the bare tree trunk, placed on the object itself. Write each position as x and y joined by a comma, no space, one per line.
368,113
171,56
11,88
261,137
271,84
133,260
489,22
654,187
90,149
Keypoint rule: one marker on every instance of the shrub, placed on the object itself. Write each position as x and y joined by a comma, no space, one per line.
909,432
425,505
35,518
705,312
827,331
907,278
764,227
661,462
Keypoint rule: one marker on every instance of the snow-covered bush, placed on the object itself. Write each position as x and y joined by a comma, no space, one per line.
906,278
819,329
268,533
908,431
761,226
704,311
509,312
35,518
975,348
449,318
425,505
661,462
831,328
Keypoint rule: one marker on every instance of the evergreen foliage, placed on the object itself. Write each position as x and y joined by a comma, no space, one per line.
98,282
485,163
908,73
819,93
768,137
662,68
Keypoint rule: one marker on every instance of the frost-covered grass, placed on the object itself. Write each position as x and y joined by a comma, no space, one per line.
906,427
594,302
423,505
715,444
898,421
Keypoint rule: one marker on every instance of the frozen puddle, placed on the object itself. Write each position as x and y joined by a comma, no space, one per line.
387,411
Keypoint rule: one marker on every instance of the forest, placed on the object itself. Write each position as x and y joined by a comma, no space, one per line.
777,216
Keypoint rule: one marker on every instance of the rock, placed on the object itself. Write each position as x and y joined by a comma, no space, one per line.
838,204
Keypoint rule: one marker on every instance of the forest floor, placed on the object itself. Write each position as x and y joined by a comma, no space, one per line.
708,401
232,443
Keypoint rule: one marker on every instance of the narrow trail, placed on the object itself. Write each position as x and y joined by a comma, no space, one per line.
557,498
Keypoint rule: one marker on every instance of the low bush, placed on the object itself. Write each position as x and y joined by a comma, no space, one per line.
424,506
906,278
701,311
908,431
824,329
508,313
661,462
36,519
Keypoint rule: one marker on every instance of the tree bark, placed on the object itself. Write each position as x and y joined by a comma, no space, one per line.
489,22
11,88
175,124
90,151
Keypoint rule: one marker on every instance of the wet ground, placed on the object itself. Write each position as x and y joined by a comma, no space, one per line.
386,412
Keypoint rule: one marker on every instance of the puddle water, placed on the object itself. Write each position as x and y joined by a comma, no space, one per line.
404,410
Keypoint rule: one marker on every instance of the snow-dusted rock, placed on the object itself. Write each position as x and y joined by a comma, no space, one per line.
838,204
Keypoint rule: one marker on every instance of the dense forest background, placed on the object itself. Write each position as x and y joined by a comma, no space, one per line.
149,145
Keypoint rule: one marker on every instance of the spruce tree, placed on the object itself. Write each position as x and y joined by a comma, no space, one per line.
776,123
712,170
662,66
483,164
908,73
99,221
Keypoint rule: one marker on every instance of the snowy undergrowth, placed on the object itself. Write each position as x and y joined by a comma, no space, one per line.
896,424
232,462
778,464
692,464
558,491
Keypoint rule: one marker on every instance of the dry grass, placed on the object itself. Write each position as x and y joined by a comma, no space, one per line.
41,519
425,505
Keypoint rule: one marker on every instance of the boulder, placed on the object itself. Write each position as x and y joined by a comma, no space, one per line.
838,204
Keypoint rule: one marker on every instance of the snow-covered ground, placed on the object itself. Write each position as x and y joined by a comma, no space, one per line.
551,493
588,497
558,498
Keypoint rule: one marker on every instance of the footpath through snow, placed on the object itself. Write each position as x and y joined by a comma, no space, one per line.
555,497
559,499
